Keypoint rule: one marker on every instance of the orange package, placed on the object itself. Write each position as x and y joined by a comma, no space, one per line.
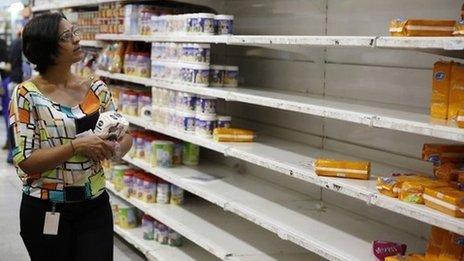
456,94
437,235
391,186
422,27
451,249
460,118
440,90
343,169
439,153
446,200
447,171
412,190
410,257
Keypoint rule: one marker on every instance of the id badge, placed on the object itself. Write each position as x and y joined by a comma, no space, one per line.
52,221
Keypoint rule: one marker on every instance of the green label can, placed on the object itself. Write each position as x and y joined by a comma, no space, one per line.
190,154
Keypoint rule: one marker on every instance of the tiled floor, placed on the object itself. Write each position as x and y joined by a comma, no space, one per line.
11,244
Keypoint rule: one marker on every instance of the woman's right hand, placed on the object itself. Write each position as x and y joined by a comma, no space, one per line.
93,147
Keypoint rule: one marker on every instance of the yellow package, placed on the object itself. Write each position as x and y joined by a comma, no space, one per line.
440,90
456,94
446,200
233,135
343,169
410,257
422,27
388,186
447,171
460,118
440,153
437,235
459,28
412,190
451,250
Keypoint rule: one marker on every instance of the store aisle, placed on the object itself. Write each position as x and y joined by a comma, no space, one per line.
11,244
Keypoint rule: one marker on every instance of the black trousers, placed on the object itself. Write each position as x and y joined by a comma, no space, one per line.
85,230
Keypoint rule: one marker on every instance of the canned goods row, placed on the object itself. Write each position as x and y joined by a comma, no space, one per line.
155,230
183,52
195,74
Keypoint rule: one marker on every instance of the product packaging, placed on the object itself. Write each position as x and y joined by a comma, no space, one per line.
233,135
440,90
342,169
445,199
421,27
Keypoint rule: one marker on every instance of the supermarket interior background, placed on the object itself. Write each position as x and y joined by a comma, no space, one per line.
270,129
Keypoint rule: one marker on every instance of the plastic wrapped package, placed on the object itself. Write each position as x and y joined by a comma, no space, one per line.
342,169
410,257
440,90
422,27
447,171
452,248
412,190
436,238
445,199
233,135
388,186
382,249
456,93
439,153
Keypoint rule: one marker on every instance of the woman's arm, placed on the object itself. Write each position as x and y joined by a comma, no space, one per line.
91,146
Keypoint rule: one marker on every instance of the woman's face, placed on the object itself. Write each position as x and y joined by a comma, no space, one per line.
68,41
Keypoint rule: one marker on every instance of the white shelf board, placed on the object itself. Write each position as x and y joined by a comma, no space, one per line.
398,118
156,251
220,233
329,231
165,38
295,159
91,43
442,43
68,4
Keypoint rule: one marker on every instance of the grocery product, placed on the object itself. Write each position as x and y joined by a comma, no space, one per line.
344,169
163,234
383,249
388,186
460,118
112,125
459,28
224,121
233,135
148,227
186,102
163,192
412,190
217,74
206,105
118,176
421,27
127,216
201,23
128,183
445,199
139,177
410,257
177,195
456,93
440,90
175,239
438,153
190,154
452,248
129,103
149,189
436,238
231,76
447,171
177,154
162,153
205,125
224,24
187,121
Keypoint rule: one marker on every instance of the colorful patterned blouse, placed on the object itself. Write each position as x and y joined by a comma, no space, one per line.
38,122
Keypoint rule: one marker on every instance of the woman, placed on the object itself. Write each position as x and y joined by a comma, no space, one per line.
65,212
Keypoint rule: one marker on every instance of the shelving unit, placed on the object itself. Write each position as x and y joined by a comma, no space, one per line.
216,231
91,43
290,215
446,46
273,153
405,119
68,4
156,251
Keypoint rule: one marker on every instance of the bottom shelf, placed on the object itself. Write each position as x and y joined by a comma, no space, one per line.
156,251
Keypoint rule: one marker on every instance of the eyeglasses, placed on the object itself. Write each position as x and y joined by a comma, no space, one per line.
68,36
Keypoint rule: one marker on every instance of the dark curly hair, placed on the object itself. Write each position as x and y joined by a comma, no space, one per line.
40,40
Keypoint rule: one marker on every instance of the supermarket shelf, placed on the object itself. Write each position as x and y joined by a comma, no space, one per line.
156,251
295,159
399,118
220,233
447,46
327,230
68,4
91,43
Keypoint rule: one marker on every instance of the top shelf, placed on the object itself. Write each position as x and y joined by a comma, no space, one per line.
68,4
447,46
